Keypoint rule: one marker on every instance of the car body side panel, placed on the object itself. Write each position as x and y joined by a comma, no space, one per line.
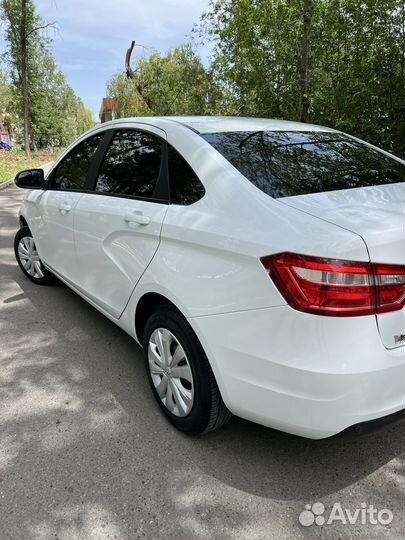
30,211
209,252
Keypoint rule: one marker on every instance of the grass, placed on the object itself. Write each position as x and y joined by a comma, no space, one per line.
13,162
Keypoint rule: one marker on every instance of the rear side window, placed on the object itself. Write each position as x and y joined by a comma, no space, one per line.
283,164
185,187
131,166
71,173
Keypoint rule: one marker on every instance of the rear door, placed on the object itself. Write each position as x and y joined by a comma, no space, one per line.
54,229
118,224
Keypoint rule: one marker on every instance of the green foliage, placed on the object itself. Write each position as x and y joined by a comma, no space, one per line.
129,101
175,83
13,162
357,62
359,79
356,70
256,53
57,115
10,15
8,102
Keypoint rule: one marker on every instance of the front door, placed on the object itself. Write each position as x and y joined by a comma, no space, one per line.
54,232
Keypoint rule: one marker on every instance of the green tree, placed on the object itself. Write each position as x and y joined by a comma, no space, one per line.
45,107
170,84
59,116
256,53
8,100
360,77
23,35
336,62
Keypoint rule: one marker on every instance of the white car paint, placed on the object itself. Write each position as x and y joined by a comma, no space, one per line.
55,231
305,374
110,242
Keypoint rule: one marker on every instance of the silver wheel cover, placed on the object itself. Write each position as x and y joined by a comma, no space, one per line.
171,372
29,258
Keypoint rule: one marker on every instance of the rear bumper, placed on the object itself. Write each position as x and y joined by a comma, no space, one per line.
379,423
304,374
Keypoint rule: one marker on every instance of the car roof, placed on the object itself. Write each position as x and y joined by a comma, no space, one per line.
215,124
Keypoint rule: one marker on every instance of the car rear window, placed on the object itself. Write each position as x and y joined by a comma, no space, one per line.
287,163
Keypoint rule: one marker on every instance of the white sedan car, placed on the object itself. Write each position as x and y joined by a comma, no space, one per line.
260,264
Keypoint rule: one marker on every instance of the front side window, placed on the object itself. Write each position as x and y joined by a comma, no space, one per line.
71,173
284,164
185,187
132,165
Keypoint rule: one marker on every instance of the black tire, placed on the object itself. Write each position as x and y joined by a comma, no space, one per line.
47,278
208,411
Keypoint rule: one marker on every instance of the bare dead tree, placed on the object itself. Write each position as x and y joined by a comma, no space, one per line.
131,74
129,71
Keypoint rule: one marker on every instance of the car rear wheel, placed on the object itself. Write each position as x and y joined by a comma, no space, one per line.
180,375
28,259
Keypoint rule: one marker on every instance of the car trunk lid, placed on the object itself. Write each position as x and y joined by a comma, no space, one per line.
377,214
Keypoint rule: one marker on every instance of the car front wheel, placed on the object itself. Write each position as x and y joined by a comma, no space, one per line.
28,259
180,375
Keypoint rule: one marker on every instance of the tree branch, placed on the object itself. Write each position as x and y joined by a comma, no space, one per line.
128,69
47,25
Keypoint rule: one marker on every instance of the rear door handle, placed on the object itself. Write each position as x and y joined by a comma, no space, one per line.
64,208
137,217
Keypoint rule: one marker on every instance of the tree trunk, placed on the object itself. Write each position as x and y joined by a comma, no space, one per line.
304,62
24,78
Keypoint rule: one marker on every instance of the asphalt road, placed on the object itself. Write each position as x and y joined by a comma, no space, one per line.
86,454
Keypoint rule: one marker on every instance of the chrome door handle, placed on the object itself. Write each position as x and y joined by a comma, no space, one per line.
137,217
64,208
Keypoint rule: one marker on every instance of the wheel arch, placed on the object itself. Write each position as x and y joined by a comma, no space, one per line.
148,301
146,305
23,222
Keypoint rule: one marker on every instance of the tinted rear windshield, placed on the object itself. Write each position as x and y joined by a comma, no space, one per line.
287,163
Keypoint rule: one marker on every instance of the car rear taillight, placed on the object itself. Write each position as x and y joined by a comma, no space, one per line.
336,287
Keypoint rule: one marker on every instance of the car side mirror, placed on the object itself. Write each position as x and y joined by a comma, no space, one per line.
30,179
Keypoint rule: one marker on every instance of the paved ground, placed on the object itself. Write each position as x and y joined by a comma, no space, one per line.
85,453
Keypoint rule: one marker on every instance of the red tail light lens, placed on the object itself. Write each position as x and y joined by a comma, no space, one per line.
334,287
